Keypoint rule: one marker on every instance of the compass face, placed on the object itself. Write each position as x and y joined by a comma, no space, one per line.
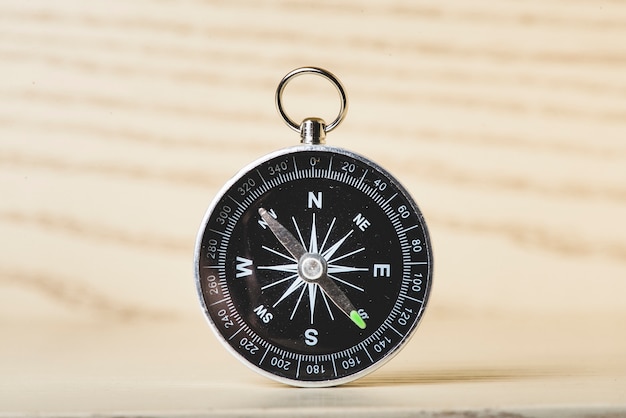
313,266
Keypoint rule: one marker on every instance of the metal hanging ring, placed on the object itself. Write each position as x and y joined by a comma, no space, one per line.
323,73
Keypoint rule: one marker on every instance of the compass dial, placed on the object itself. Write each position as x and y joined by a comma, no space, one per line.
313,266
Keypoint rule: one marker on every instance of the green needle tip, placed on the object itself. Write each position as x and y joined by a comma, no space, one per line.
356,318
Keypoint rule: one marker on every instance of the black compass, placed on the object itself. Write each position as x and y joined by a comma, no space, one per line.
313,264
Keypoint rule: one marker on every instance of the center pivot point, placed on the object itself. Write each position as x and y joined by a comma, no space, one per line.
311,266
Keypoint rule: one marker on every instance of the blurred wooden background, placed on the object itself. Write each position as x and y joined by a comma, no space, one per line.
119,121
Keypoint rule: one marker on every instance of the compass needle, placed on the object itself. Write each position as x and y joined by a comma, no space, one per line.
336,295
356,318
291,244
300,235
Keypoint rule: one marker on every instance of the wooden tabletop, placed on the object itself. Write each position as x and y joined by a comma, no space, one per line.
119,122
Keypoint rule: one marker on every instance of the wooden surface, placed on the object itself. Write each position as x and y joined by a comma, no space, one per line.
119,121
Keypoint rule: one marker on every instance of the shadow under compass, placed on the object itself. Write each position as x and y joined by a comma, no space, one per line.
412,377
408,393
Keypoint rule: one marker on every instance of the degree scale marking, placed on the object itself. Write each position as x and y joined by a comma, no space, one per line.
372,193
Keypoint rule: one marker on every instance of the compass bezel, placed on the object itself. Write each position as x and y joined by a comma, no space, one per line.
245,171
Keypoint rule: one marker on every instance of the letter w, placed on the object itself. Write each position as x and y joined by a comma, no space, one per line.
243,267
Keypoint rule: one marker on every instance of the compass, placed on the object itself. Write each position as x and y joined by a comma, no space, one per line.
313,264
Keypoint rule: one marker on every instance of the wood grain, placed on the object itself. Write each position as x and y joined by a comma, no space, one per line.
119,121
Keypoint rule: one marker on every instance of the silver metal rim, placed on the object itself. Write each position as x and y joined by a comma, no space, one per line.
317,71
213,326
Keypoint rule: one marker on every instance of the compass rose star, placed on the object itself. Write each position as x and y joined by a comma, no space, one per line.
328,254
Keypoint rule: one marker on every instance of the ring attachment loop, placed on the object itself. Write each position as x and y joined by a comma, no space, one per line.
317,71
